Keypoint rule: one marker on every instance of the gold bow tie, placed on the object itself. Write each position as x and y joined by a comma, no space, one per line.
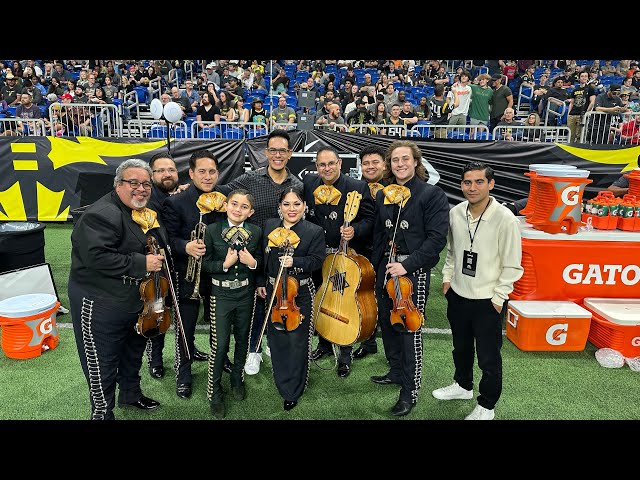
327,194
146,218
236,236
396,194
211,202
374,188
282,236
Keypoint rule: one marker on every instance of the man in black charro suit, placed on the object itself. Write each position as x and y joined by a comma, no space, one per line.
181,215
329,214
108,262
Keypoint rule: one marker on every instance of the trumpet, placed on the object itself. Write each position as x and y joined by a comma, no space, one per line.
195,264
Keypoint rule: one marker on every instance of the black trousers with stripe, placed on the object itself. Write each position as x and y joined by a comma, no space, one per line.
109,348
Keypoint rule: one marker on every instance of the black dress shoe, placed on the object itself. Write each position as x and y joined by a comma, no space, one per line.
183,390
383,380
402,408
289,404
361,352
156,372
200,356
238,392
344,369
227,366
143,403
218,410
319,353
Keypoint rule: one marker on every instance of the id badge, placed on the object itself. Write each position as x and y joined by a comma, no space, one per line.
469,262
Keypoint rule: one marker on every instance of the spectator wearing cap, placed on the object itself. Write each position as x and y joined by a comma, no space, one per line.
611,107
212,74
481,95
235,89
10,93
258,114
501,100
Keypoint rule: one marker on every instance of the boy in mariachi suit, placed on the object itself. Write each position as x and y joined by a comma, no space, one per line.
232,258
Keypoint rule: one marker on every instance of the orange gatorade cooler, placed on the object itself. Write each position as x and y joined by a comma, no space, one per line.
29,324
547,325
532,173
634,182
559,200
596,263
615,324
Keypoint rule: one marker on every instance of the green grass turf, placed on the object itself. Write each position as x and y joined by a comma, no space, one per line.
537,385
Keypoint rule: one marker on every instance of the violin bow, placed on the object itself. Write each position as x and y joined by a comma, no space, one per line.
393,239
273,296
176,309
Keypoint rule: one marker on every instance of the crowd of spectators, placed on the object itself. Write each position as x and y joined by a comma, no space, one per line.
386,93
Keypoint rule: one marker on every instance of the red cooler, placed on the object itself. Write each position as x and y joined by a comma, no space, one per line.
615,324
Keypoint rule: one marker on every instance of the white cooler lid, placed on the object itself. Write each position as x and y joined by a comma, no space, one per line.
549,308
527,231
26,305
623,311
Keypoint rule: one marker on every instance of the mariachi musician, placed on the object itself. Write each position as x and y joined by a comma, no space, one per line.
186,226
372,166
412,221
326,195
297,245
109,261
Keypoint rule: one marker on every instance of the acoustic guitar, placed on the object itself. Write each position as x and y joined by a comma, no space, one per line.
345,307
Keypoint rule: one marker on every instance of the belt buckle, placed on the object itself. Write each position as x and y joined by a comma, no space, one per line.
233,284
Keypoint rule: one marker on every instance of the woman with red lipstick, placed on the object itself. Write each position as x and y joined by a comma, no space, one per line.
290,349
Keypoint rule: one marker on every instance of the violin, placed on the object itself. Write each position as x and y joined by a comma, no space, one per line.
155,317
405,317
285,314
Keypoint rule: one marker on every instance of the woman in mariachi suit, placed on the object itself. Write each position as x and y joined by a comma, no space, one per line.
290,349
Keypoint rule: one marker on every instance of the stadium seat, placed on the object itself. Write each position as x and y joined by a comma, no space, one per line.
209,133
157,131
256,132
233,132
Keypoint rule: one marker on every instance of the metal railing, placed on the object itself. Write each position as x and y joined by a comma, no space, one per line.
85,119
527,133
606,128
22,127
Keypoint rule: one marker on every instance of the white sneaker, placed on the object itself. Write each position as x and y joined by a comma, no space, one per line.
481,413
252,365
267,350
453,392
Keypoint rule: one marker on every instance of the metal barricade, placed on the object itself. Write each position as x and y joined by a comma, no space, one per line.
604,128
556,110
209,129
85,119
525,94
452,132
530,133
23,127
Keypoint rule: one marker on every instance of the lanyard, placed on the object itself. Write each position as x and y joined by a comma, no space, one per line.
477,224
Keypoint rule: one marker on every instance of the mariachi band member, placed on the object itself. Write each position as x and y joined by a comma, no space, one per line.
164,181
109,260
233,257
412,221
186,225
372,167
297,245
326,195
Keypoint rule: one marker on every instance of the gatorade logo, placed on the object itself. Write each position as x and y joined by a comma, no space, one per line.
557,334
45,327
570,195
635,341
574,274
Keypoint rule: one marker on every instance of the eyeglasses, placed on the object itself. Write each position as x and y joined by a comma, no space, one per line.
165,170
278,151
331,164
135,184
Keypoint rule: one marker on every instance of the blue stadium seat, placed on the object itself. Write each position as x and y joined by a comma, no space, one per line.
180,132
209,133
233,132
256,132
157,131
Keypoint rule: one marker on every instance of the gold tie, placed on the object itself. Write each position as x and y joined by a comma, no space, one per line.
327,194
146,218
396,194
281,236
211,202
374,188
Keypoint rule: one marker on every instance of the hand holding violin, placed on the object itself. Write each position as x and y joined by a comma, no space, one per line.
395,269
286,261
154,262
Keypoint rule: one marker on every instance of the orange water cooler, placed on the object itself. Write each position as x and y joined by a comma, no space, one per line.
615,324
533,188
596,263
29,325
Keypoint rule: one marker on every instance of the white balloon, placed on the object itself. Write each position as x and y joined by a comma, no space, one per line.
156,108
172,112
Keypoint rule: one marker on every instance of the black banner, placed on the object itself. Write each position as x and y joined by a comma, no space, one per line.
44,178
